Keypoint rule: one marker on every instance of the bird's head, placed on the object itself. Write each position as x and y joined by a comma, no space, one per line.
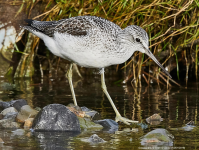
137,39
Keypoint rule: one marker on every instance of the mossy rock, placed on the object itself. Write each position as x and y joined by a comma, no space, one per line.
86,123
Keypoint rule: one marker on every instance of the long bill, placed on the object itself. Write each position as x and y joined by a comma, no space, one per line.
148,52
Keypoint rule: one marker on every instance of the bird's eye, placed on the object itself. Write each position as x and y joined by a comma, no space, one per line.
137,40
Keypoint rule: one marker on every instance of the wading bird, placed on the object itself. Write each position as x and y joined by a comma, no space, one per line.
92,42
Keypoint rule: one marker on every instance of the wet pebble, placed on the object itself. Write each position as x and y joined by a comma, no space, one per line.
11,116
155,119
108,124
8,124
28,123
17,104
8,110
25,113
4,105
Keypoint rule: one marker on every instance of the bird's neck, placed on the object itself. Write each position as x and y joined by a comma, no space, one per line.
125,49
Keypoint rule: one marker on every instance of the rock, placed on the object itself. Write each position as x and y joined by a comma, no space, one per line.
191,123
94,115
17,104
1,116
95,139
86,123
11,116
4,105
155,119
85,109
78,108
37,109
76,112
70,105
18,132
28,123
56,117
7,110
25,113
158,137
1,141
108,124
7,123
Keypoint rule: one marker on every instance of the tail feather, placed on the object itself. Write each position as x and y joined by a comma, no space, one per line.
45,27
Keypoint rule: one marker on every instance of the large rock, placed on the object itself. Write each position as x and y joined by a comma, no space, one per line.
25,113
8,110
56,117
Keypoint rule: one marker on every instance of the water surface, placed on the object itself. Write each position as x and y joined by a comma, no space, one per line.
177,106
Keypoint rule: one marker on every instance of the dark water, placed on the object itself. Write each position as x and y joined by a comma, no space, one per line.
177,106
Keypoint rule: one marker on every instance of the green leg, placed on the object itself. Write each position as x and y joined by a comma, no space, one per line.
69,75
118,116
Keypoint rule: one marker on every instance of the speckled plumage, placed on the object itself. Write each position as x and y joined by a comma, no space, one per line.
89,41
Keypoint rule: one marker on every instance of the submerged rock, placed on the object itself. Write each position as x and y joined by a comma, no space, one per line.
18,132
56,117
158,137
55,140
188,127
108,124
8,110
25,113
95,139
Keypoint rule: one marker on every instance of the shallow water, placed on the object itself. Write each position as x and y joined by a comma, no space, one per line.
177,106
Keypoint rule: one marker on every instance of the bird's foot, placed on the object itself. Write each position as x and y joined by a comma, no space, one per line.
124,120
